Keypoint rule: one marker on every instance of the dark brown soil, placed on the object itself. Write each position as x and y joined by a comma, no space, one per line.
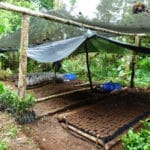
48,133
108,120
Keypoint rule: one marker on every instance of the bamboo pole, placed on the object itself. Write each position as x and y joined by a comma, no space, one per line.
134,60
82,84
61,94
24,10
23,56
92,138
60,109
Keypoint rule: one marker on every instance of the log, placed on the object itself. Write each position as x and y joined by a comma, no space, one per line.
82,84
85,135
51,112
61,94
24,10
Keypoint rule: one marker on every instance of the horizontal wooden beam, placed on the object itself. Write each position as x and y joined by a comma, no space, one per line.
30,12
61,94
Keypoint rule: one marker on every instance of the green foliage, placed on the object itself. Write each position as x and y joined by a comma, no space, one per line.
34,66
3,145
5,73
25,104
11,21
1,88
138,140
144,63
10,130
72,2
49,4
11,99
75,65
105,67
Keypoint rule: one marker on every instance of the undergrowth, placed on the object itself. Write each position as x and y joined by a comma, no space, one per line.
109,67
3,145
138,140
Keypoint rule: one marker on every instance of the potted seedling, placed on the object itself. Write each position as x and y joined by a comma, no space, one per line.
24,109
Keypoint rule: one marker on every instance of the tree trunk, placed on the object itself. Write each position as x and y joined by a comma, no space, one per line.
23,56
134,60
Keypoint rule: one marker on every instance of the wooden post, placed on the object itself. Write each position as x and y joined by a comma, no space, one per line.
88,66
134,59
23,56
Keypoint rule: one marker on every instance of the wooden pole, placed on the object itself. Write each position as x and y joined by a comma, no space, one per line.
97,140
61,94
29,12
88,65
23,56
134,60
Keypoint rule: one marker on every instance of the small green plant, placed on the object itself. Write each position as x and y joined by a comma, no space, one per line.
3,145
9,98
25,105
13,104
138,140
1,88
11,130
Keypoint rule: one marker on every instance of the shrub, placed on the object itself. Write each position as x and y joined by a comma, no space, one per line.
11,100
25,105
3,145
138,140
1,88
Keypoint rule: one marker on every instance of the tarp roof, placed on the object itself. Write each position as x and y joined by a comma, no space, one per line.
58,50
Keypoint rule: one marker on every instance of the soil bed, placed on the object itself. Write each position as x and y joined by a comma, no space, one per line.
114,110
108,120
111,108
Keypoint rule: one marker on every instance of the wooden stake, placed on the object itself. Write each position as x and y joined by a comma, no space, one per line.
134,60
23,56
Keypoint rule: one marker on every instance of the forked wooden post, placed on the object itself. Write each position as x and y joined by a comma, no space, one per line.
23,56
134,60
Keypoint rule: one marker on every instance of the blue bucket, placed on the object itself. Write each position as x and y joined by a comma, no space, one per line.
117,86
70,76
110,86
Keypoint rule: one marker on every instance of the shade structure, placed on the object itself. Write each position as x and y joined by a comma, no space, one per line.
58,50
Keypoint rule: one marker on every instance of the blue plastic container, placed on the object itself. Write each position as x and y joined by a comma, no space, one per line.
70,76
117,86
107,87
110,86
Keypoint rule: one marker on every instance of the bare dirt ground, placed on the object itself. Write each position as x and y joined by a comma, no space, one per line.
11,133
48,134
